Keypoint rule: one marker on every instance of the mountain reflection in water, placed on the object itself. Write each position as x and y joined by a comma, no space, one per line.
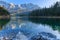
31,29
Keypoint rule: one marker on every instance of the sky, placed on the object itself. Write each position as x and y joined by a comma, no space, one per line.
41,3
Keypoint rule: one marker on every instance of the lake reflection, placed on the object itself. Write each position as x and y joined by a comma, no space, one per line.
29,30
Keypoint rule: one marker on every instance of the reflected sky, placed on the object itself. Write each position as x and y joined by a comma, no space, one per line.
27,28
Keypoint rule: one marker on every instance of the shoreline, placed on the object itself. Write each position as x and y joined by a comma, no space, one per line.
4,17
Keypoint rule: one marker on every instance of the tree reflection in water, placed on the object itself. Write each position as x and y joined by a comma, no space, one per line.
53,22
4,17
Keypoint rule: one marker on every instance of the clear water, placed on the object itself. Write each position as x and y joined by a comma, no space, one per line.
22,29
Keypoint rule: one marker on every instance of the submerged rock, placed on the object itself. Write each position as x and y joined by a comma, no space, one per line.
44,36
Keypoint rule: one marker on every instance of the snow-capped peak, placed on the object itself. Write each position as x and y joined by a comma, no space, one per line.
30,6
12,5
21,7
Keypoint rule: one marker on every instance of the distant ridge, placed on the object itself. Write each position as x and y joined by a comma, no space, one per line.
21,7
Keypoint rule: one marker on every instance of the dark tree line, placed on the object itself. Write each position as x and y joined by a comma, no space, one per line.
3,11
52,11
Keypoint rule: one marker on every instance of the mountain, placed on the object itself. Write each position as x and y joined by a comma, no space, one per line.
18,8
30,6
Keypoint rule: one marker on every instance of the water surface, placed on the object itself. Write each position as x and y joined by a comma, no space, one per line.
30,29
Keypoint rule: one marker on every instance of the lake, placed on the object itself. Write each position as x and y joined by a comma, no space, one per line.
24,28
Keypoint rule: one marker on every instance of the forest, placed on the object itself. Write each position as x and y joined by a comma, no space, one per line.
51,11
